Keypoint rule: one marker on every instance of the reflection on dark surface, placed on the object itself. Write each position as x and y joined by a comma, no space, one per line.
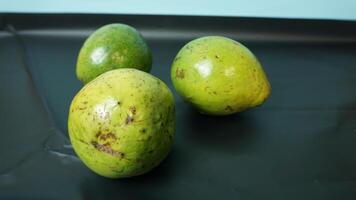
222,133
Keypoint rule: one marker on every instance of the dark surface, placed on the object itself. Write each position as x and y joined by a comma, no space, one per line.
301,144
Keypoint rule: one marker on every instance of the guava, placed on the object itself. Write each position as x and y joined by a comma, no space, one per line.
122,123
219,76
111,47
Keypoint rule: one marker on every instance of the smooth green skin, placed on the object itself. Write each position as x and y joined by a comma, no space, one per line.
219,76
122,123
111,47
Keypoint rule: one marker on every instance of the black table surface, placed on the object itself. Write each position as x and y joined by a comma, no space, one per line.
301,144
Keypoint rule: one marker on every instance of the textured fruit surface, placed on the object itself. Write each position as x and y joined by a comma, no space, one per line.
111,47
122,123
219,76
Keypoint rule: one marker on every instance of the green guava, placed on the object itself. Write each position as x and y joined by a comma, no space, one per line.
122,123
219,76
111,47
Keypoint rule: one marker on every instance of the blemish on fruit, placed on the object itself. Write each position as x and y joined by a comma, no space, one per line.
129,119
132,109
179,73
107,136
98,134
106,148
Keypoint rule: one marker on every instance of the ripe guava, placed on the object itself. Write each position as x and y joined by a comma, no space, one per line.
219,76
111,47
122,123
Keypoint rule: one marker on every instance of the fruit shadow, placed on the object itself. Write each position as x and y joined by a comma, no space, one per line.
231,134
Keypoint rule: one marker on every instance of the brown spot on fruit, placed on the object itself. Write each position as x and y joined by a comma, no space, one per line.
143,130
107,144
106,148
179,73
107,136
132,109
129,119
217,56
98,134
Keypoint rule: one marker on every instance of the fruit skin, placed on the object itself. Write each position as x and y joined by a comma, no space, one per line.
110,47
122,123
219,76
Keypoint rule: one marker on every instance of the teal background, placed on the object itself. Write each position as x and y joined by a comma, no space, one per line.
314,9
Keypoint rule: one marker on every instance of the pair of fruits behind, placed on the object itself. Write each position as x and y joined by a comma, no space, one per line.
121,123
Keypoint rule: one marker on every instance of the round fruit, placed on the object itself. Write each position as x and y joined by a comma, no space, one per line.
219,76
122,123
111,47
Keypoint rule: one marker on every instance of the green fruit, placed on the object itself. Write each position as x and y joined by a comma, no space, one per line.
122,123
111,47
219,76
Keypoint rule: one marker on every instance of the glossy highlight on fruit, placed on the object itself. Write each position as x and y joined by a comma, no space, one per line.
219,76
111,47
122,123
